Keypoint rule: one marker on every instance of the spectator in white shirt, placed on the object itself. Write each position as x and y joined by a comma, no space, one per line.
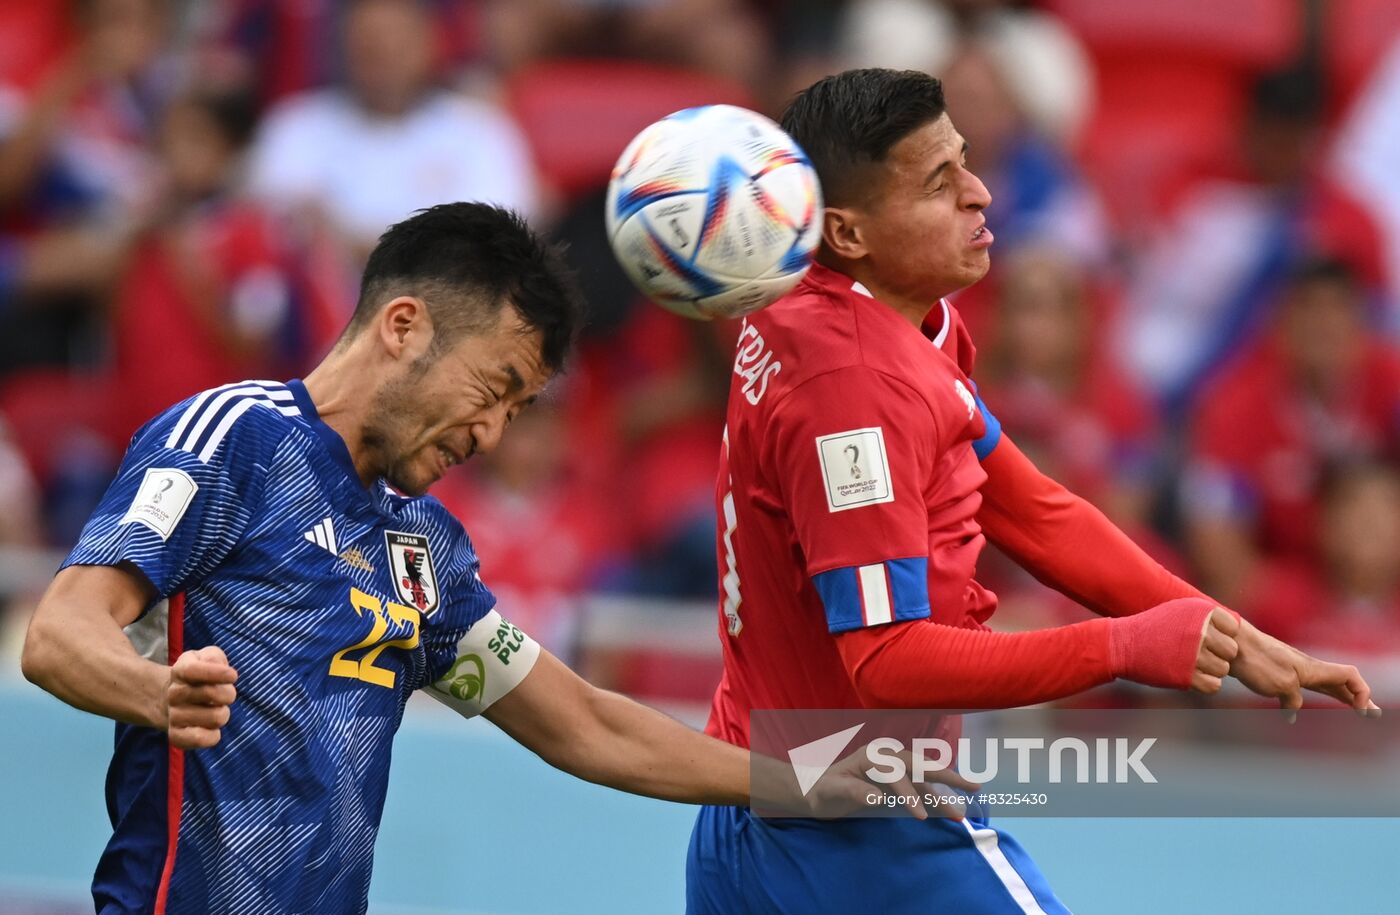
390,140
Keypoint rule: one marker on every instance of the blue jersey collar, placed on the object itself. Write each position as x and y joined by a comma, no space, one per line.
339,451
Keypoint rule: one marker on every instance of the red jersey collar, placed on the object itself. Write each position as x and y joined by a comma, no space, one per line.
936,326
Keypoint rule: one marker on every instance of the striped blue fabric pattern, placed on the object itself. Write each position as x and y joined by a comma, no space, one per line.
330,635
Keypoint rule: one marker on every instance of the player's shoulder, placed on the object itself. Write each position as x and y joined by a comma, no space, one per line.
819,312
831,325
253,417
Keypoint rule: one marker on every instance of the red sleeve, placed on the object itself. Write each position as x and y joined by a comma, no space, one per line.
930,665
1066,543
853,449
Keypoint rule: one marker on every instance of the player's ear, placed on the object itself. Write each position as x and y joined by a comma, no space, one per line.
841,233
405,328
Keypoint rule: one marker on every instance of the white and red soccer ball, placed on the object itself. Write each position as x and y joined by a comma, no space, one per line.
714,212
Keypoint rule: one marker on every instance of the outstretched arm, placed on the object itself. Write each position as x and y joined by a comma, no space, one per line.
500,672
603,737
1183,644
606,738
1070,546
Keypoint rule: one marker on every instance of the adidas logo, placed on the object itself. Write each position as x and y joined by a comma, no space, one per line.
323,535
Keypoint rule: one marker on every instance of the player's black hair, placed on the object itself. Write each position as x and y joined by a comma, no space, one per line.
1324,269
850,121
233,111
1293,95
467,261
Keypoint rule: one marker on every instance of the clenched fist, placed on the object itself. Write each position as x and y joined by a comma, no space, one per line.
1187,643
198,698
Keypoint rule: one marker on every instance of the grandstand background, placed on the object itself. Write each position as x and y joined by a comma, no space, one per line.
1193,319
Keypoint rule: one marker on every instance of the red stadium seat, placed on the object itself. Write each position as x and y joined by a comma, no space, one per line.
579,114
34,35
1145,138
43,407
1172,81
1257,33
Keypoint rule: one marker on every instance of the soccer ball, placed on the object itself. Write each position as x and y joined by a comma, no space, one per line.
714,212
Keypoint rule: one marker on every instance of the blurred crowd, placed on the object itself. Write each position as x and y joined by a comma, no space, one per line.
1192,318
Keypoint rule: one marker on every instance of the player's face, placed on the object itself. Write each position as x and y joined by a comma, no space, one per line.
923,229
444,409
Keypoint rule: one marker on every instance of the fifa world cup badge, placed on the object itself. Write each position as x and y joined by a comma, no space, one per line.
411,566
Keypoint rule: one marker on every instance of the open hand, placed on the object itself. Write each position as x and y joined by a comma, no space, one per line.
198,698
1276,669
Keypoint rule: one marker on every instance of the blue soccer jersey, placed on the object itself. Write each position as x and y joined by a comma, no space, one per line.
333,601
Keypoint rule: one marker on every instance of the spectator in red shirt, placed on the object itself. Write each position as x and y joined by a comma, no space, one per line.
1352,600
1320,390
1203,287
76,171
209,296
547,532
1074,413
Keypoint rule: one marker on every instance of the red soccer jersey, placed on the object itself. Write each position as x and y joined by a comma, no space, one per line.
847,492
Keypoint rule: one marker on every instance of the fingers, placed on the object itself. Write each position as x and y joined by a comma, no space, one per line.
206,665
1218,649
1225,622
1219,643
1290,701
1211,664
955,779
1205,683
199,697
1361,692
904,788
197,727
1342,682
181,693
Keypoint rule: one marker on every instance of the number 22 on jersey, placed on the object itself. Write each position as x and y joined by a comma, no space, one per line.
364,668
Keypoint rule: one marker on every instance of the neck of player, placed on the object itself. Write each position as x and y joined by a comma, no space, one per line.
337,388
914,308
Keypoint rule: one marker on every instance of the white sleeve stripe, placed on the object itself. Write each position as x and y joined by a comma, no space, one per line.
875,595
189,414
211,412
274,389
207,405
221,430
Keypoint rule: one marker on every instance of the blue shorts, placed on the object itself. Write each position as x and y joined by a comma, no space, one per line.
739,863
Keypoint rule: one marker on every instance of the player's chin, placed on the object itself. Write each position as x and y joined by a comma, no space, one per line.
975,266
412,480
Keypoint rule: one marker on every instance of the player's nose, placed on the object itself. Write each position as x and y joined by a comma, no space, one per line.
975,195
487,432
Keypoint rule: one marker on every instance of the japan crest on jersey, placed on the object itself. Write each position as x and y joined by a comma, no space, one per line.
411,565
